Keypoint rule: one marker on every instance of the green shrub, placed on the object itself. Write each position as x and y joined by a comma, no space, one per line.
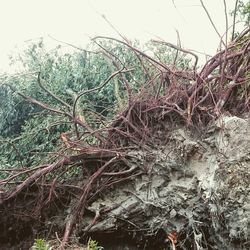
41,244
93,245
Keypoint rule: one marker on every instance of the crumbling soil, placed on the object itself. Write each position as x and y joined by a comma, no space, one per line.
192,193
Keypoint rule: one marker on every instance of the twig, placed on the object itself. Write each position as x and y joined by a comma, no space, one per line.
226,19
81,203
34,177
73,46
211,21
234,19
97,88
136,50
50,93
57,111
6,181
180,49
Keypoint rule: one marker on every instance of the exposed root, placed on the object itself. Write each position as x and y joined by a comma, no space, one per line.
186,97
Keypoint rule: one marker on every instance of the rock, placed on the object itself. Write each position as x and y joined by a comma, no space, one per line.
196,188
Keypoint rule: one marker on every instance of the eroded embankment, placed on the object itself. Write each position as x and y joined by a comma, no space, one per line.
193,193
196,188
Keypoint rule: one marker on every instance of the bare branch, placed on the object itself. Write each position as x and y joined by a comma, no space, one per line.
211,21
234,19
97,88
226,19
57,111
50,93
180,49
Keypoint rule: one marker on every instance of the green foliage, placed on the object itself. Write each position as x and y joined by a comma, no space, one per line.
28,133
41,244
243,11
93,245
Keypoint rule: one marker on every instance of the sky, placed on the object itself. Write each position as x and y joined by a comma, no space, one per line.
74,21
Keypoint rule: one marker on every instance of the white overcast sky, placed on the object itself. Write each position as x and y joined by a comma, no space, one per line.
74,20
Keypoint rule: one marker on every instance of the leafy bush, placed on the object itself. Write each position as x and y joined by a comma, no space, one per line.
41,244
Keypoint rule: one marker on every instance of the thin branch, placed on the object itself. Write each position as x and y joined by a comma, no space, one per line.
226,19
7,180
128,42
57,111
50,93
234,19
136,50
115,29
178,44
180,49
42,105
34,177
110,56
97,88
80,206
73,46
211,21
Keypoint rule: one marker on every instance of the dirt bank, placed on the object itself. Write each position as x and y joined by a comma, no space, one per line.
192,193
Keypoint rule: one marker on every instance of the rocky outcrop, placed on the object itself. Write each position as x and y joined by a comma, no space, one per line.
194,187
